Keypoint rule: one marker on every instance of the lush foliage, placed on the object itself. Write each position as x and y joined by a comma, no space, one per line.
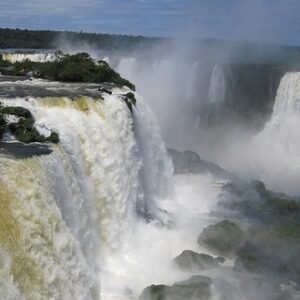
45,39
72,68
23,130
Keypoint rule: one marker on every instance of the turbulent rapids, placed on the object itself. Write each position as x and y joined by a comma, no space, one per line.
59,212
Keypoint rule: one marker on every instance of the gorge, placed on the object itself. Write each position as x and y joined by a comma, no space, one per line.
106,211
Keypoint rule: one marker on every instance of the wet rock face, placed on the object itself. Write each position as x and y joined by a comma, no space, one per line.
190,162
2,126
130,101
20,150
223,238
195,288
193,261
247,94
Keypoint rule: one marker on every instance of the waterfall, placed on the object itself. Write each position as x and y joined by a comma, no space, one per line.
217,88
282,130
155,177
59,213
36,57
170,86
275,150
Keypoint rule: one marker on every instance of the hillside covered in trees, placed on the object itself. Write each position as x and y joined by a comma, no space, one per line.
46,39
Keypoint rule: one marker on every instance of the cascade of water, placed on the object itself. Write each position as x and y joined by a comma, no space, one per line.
78,201
282,130
277,145
217,88
157,169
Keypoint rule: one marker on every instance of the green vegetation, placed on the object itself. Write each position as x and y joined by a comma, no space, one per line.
23,130
72,68
17,111
224,238
45,39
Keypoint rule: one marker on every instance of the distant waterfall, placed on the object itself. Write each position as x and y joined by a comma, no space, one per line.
217,88
59,212
277,147
36,57
283,129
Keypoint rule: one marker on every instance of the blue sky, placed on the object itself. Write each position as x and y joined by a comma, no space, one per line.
256,20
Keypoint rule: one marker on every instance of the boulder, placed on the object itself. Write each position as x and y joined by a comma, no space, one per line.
2,126
53,138
223,238
190,162
192,261
104,90
195,288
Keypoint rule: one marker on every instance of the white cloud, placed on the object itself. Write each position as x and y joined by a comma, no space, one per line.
30,8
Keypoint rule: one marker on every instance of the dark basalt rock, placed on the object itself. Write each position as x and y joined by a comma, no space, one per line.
130,101
104,90
223,238
195,288
20,150
190,161
2,126
190,260
54,138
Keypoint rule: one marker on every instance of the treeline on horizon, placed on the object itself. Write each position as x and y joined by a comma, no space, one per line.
47,39
213,50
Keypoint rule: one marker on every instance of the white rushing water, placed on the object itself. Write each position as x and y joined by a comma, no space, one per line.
272,155
63,214
217,88
279,140
36,57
